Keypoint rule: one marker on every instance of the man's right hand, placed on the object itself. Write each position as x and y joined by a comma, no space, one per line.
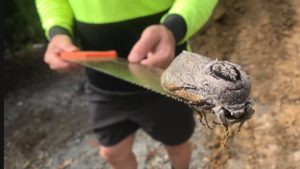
60,43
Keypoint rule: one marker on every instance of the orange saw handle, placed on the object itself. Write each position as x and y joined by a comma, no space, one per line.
88,55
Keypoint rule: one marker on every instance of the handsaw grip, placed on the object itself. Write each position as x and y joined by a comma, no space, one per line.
88,55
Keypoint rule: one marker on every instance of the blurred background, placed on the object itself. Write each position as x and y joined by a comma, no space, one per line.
22,35
45,113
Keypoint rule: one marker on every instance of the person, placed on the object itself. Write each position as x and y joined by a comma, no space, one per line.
146,32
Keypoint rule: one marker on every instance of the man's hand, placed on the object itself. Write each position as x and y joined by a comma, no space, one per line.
59,43
156,47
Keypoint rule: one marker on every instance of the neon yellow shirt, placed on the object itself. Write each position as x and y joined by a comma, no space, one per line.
62,12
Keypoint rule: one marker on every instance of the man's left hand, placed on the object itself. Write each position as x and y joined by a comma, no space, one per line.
156,47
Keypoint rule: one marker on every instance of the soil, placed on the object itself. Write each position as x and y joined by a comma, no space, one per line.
46,119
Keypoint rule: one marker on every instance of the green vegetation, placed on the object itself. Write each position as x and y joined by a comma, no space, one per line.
22,26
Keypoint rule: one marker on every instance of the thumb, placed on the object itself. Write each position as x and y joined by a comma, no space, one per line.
69,47
143,46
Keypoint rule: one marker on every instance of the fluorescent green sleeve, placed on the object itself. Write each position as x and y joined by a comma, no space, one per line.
194,12
55,13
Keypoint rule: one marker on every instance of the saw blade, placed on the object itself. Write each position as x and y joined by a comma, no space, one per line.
141,75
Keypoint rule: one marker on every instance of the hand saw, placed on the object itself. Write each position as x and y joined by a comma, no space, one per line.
109,63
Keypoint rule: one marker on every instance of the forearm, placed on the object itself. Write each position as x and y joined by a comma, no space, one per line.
56,17
176,24
57,30
186,17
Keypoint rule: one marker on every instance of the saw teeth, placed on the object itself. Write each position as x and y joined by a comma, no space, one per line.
161,93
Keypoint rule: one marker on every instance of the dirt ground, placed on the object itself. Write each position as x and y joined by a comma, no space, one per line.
46,125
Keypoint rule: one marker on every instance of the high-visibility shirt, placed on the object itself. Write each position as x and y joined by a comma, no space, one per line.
63,12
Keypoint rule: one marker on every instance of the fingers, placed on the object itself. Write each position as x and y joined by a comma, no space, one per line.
161,57
56,63
156,47
144,45
59,43
68,47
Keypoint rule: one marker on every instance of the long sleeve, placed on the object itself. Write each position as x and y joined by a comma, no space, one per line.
56,16
188,16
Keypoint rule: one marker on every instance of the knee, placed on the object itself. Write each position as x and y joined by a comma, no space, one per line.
113,156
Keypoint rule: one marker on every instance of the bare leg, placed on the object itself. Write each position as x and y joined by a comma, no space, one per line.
180,155
120,156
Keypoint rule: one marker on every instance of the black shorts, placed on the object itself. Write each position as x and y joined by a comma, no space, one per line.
116,115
